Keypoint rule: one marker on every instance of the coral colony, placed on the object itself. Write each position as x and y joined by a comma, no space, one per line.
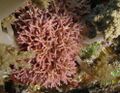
55,38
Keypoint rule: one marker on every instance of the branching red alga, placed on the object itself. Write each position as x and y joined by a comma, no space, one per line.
55,38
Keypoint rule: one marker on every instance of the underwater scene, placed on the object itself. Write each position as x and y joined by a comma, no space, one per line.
59,46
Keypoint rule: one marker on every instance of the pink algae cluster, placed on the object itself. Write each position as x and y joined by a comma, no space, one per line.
55,38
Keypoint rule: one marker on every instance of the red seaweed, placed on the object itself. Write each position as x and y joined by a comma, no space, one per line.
56,40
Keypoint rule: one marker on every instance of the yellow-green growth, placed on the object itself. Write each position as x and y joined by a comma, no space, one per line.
42,3
11,56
